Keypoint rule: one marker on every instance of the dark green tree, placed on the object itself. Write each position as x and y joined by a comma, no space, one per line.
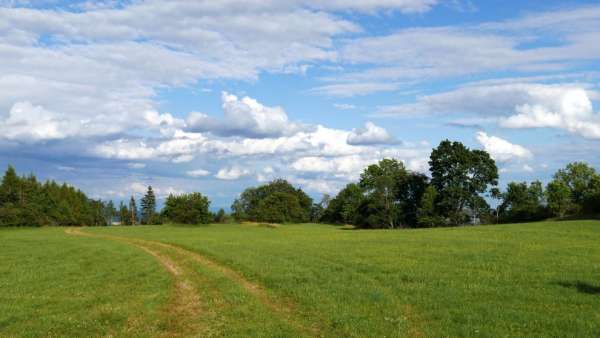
148,205
250,207
427,216
380,183
523,203
187,209
220,216
124,216
559,198
344,208
459,176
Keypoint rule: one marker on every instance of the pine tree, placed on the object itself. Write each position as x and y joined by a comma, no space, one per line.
9,191
123,214
148,206
132,212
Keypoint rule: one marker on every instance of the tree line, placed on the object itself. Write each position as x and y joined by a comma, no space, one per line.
24,201
390,196
461,184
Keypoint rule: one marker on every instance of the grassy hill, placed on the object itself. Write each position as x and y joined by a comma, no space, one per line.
539,279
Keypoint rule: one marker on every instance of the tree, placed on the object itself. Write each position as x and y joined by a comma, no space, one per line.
380,183
578,177
220,216
281,207
133,212
427,216
559,198
124,216
187,209
459,176
11,183
148,205
523,203
343,208
250,206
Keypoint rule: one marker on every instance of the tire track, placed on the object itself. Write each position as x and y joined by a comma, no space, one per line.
184,304
285,310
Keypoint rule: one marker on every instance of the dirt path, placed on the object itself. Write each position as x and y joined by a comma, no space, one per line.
185,302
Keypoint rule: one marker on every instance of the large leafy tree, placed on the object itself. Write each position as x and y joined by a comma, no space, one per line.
148,205
578,177
459,176
381,183
344,208
523,203
187,209
250,206
559,198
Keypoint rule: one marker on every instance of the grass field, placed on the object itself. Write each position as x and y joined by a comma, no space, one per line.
540,279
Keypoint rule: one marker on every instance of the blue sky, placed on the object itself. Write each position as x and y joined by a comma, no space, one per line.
216,96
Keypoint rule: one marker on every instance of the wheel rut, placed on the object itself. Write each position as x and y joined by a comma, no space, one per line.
184,305
185,302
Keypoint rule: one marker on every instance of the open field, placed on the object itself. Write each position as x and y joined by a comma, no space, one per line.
540,279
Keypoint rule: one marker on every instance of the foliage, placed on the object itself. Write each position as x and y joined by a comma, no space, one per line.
559,198
187,209
523,203
343,208
459,176
148,205
427,216
220,216
289,204
26,202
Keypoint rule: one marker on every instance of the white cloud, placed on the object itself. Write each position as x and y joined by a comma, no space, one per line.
500,149
198,173
31,123
369,135
244,117
567,108
232,173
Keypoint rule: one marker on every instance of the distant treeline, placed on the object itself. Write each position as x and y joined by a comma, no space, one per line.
387,195
24,201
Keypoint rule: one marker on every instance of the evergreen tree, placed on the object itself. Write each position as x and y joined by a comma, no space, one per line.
124,214
132,212
148,205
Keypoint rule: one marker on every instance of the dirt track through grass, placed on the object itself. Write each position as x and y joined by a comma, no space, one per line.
185,305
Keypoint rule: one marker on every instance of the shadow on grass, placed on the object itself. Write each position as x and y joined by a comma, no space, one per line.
581,287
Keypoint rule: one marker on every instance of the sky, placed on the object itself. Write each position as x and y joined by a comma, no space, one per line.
216,96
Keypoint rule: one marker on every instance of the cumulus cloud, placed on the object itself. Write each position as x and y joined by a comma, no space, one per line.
569,109
502,150
370,134
245,117
232,173
33,123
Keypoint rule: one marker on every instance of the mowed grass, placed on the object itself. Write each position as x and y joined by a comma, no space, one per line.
56,285
540,279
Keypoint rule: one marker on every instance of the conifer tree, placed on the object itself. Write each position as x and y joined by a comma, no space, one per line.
148,205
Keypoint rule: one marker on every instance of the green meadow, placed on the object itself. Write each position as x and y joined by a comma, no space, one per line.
239,280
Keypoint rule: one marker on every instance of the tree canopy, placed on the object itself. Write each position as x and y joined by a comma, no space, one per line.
277,201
